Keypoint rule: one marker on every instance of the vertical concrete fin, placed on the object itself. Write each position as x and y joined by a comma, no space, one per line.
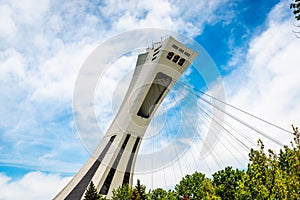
111,173
80,188
128,171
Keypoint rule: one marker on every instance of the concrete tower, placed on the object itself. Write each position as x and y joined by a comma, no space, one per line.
113,161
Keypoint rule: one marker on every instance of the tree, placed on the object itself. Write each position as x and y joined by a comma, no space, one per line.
226,181
124,192
158,194
263,179
139,191
289,163
272,176
171,195
195,186
92,193
295,5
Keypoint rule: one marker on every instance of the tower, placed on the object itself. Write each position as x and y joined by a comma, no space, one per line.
112,163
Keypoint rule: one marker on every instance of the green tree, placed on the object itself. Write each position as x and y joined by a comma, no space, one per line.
171,195
124,192
289,163
91,193
195,186
158,194
161,194
263,179
295,6
139,191
257,173
272,176
226,181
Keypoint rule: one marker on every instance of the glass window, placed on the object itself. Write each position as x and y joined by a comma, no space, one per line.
176,58
187,54
170,55
175,46
181,61
156,91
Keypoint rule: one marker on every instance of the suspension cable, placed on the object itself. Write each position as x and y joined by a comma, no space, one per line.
245,146
243,122
236,108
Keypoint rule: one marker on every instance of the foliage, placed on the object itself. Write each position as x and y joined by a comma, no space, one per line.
289,163
195,186
158,194
124,192
272,176
295,5
171,195
226,181
92,194
139,191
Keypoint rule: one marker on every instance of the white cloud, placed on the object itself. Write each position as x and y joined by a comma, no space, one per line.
29,11
173,15
268,83
7,26
45,44
33,185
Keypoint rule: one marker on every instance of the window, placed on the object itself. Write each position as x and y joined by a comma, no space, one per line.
156,91
176,58
155,53
187,54
170,55
175,46
181,50
157,48
181,61
154,58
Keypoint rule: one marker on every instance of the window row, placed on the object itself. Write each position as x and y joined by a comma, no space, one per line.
156,51
175,58
181,50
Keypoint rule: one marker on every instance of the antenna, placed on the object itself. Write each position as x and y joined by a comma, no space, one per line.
165,36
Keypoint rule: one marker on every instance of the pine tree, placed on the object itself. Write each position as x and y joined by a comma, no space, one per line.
140,191
91,193
124,192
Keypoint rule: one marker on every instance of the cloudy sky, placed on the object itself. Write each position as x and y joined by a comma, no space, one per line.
44,45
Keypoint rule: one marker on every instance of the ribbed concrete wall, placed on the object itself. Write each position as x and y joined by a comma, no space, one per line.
112,163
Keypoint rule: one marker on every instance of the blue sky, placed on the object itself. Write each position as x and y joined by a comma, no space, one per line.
249,20
43,46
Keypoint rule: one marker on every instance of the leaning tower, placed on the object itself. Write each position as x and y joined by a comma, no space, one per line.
112,163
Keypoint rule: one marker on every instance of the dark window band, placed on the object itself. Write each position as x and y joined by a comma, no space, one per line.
157,48
111,173
80,188
155,53
129,164
154,94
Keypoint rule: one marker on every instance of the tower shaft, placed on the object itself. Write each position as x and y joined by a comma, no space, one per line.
112,163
